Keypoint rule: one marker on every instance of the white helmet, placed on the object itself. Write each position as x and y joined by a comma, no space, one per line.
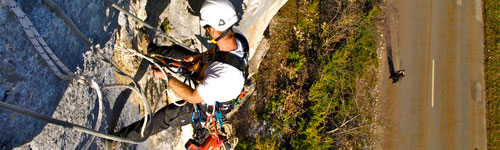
219,14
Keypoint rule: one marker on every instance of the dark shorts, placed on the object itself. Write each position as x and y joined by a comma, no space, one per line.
170,115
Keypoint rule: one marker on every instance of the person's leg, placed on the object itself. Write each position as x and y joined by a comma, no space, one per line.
170,115
174,51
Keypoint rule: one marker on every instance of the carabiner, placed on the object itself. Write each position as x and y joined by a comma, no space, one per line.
196,110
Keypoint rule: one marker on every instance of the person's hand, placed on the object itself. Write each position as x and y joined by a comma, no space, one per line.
155,72
188,59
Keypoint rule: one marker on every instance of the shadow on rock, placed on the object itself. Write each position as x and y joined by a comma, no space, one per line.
195,6
154,8
41,91
238,6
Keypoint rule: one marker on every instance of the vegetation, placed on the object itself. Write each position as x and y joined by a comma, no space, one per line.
492,64
320,97
165,25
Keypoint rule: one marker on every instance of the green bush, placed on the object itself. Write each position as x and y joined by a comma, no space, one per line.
304,106
333,93
295,61
165,25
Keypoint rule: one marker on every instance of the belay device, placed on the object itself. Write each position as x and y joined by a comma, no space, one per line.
202,138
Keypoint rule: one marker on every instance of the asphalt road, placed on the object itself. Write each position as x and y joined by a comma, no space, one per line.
440,103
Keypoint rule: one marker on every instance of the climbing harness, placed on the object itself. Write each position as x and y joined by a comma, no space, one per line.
240,63
61,71
202,138
214,140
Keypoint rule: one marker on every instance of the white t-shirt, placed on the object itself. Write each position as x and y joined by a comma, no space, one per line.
222,82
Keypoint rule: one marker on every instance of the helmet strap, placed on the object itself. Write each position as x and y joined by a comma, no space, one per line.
221,36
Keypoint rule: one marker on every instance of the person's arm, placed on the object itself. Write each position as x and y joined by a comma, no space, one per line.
180,89
184,91
199,56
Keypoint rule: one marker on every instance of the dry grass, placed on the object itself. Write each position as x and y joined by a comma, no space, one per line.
317,80
492,72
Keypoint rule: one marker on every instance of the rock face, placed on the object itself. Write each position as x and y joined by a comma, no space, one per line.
27,81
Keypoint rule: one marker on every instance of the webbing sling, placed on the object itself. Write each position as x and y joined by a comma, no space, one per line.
234,60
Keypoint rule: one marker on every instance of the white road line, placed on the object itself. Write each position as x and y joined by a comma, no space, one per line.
432,90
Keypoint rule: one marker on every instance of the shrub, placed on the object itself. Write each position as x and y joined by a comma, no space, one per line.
313,105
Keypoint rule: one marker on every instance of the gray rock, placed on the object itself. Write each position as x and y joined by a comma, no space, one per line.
27,81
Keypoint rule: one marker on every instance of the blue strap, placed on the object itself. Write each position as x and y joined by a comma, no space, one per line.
218,115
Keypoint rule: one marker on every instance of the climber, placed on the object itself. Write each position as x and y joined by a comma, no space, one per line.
220,82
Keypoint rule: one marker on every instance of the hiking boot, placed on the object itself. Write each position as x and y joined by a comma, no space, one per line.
142,41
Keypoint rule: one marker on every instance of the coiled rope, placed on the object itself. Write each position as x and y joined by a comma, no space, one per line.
57,66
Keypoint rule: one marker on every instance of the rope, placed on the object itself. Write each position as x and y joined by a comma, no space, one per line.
68,21
227,131
46,53
99,114
57,66
143,97
40,45
65,124
135,53
114,5
82,37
